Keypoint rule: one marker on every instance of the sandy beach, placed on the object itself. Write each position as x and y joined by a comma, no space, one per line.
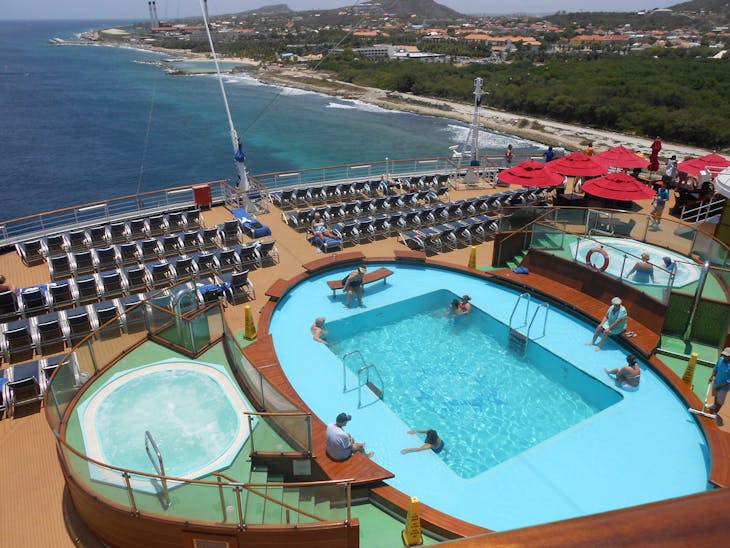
541,130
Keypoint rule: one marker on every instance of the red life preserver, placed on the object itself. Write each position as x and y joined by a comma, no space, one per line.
602,251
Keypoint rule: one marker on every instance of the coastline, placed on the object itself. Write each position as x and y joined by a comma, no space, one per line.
541,130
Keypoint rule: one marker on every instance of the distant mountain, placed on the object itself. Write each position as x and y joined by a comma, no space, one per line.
273,9
423,9
714,6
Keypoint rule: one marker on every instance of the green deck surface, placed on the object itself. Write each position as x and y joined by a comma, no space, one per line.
379,529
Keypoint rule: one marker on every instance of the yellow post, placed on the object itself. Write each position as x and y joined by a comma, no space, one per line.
249,331
412,533
689,372
472,257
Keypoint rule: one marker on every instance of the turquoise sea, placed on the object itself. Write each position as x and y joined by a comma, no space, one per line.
85,123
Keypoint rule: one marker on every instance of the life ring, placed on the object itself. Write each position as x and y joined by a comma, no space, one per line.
602,252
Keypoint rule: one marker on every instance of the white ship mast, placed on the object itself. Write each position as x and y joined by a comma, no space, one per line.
474,131
238,155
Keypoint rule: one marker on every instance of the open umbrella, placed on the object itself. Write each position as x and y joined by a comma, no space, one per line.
618,186
695,165
577,164
722,182
530,173
621,157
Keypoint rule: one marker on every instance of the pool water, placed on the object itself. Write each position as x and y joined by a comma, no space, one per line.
624,253
505,404
192,411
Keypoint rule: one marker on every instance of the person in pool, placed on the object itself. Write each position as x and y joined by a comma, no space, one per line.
353,285
432,442
453,308
643,270
669,264
629,375
464,305
319,333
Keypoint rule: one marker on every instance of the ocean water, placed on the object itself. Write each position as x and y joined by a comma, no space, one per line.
84,123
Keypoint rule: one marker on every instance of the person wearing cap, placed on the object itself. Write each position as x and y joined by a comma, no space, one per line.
340,445
613,323
319,333
629,375
721,377
353,285
464,305
669,264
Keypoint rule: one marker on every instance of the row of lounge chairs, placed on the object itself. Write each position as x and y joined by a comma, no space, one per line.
447,236
57,331
36,251
427,214
318,194
26,383
116,282
300,219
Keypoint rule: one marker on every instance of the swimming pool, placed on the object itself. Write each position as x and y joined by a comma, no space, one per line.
512,402
192,410
570,474
619,264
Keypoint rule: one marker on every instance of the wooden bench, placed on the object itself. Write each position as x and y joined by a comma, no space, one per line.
379,274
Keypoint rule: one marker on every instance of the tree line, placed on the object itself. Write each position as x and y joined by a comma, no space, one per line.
684,100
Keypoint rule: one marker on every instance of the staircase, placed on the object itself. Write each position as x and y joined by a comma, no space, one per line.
286,505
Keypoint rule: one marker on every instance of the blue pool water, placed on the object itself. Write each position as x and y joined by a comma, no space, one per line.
570,474
192,411
512,403
624,253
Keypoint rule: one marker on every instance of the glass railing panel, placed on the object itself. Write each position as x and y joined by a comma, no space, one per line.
66,382
280,433
106,483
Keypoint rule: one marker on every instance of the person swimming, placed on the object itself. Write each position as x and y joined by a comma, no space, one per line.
432,442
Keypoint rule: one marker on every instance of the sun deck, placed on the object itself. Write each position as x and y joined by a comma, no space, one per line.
33,481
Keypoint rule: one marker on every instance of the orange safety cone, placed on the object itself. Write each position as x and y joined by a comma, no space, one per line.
472,257
689,372
249,332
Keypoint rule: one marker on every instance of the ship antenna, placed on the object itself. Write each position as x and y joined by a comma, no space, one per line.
238,154
475,123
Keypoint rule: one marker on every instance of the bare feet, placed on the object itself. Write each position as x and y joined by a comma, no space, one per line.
598,348
370,455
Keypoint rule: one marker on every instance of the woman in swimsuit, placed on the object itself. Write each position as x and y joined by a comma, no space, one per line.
320,229
432,442
629,375
353,284
464,306
643,270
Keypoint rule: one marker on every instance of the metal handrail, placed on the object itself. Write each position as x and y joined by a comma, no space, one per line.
546,306
527,297
344,366
367,368
159,466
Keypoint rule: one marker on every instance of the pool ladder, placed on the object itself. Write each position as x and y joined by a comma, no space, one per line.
364,370
517,340
156,459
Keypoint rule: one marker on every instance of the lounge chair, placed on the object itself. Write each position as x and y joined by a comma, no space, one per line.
16,342
193,219
48,334
31,252
239,287
23,386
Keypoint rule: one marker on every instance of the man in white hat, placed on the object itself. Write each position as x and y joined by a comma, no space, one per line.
613,323
721,377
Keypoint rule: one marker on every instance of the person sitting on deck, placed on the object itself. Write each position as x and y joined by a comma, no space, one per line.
628,376
340,445
319,333
643,270
432,442
5,286
613,323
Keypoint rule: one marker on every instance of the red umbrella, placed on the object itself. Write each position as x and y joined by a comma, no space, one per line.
695,165
577,164
530,173
621,157
618,186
